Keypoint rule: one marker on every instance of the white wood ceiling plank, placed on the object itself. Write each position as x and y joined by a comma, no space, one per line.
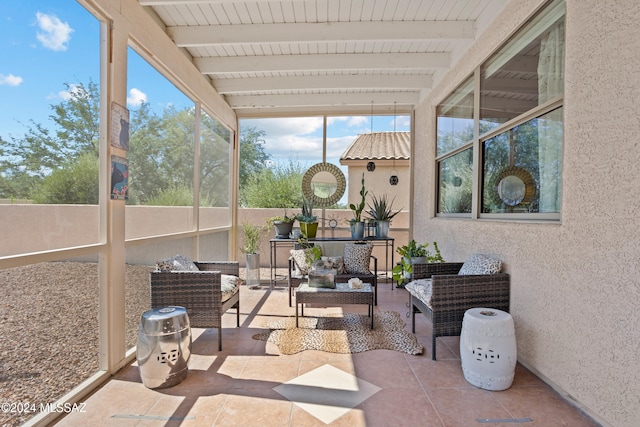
173,15
392,11
447,10
466,13
237,13
287,11
254,13
277,14
266,17
320,32
310,14
377,11
322,11
433,10
363,98
323,62
454,8
408,10
298,11
303,82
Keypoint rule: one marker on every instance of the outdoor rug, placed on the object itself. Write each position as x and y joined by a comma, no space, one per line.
348,334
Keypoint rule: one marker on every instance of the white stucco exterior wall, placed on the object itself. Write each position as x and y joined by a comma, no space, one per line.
575,287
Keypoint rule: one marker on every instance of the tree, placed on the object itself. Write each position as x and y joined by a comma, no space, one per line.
26,161
161,155
75,183
277,187
253,158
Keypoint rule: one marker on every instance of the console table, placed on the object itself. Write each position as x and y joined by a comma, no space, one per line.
387,242
342,294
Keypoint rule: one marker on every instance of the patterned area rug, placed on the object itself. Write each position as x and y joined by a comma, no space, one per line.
348,334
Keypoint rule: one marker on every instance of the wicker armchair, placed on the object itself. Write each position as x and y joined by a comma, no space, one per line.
452,295
199,292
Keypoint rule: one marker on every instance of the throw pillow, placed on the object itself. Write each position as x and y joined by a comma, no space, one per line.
176,263
230,285
300,261
480,264
333,262
356,258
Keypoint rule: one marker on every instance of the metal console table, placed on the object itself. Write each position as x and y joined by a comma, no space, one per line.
387,242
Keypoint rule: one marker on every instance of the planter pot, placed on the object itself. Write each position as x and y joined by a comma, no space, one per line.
309,229
418,260
253,270
283,229
382,229
357,230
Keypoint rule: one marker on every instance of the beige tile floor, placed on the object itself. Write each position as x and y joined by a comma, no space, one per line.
249,383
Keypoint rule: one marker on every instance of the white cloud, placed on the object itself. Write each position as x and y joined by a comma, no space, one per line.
10,80
136,97
54,34
73,92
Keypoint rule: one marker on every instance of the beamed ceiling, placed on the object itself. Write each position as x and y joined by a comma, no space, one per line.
271,57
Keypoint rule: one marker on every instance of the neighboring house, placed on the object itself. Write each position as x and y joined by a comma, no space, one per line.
390,153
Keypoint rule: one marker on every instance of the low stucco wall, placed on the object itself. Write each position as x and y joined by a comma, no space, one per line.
27,228
575,284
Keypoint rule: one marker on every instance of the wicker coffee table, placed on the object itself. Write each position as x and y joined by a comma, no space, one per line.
342,294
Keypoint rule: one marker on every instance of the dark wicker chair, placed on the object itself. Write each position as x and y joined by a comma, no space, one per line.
199,292
452,295
294,281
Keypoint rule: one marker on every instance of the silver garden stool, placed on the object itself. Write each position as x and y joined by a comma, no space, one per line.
164,346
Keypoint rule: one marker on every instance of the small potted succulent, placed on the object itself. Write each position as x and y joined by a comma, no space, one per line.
283,225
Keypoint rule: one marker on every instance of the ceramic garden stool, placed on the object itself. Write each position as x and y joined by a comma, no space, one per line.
488,348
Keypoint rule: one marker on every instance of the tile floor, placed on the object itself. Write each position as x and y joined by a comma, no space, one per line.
250,384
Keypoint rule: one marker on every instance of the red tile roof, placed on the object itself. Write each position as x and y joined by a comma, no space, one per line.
379,145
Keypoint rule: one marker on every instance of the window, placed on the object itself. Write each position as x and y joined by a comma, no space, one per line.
522,170
520,128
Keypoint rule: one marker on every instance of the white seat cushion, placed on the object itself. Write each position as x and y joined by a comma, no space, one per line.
421,289
230,285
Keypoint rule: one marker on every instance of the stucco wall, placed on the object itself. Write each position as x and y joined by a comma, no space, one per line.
575,287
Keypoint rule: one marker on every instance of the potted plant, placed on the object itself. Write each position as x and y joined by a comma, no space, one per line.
308,221
356,223
381,211
252,239
283,225
413,253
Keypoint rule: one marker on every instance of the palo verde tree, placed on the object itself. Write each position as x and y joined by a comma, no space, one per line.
26,162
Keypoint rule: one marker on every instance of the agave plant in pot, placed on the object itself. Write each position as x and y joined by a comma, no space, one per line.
382,212
308,221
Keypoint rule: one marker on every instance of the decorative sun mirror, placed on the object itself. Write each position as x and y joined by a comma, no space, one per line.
324,183
515,186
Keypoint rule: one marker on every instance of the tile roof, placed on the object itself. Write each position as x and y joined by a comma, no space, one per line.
379,145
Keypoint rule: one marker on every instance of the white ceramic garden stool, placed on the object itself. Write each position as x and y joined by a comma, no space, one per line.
488,348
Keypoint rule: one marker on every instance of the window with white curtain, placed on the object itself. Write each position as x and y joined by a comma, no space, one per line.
519,128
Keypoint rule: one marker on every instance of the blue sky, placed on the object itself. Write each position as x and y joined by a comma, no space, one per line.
47,43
